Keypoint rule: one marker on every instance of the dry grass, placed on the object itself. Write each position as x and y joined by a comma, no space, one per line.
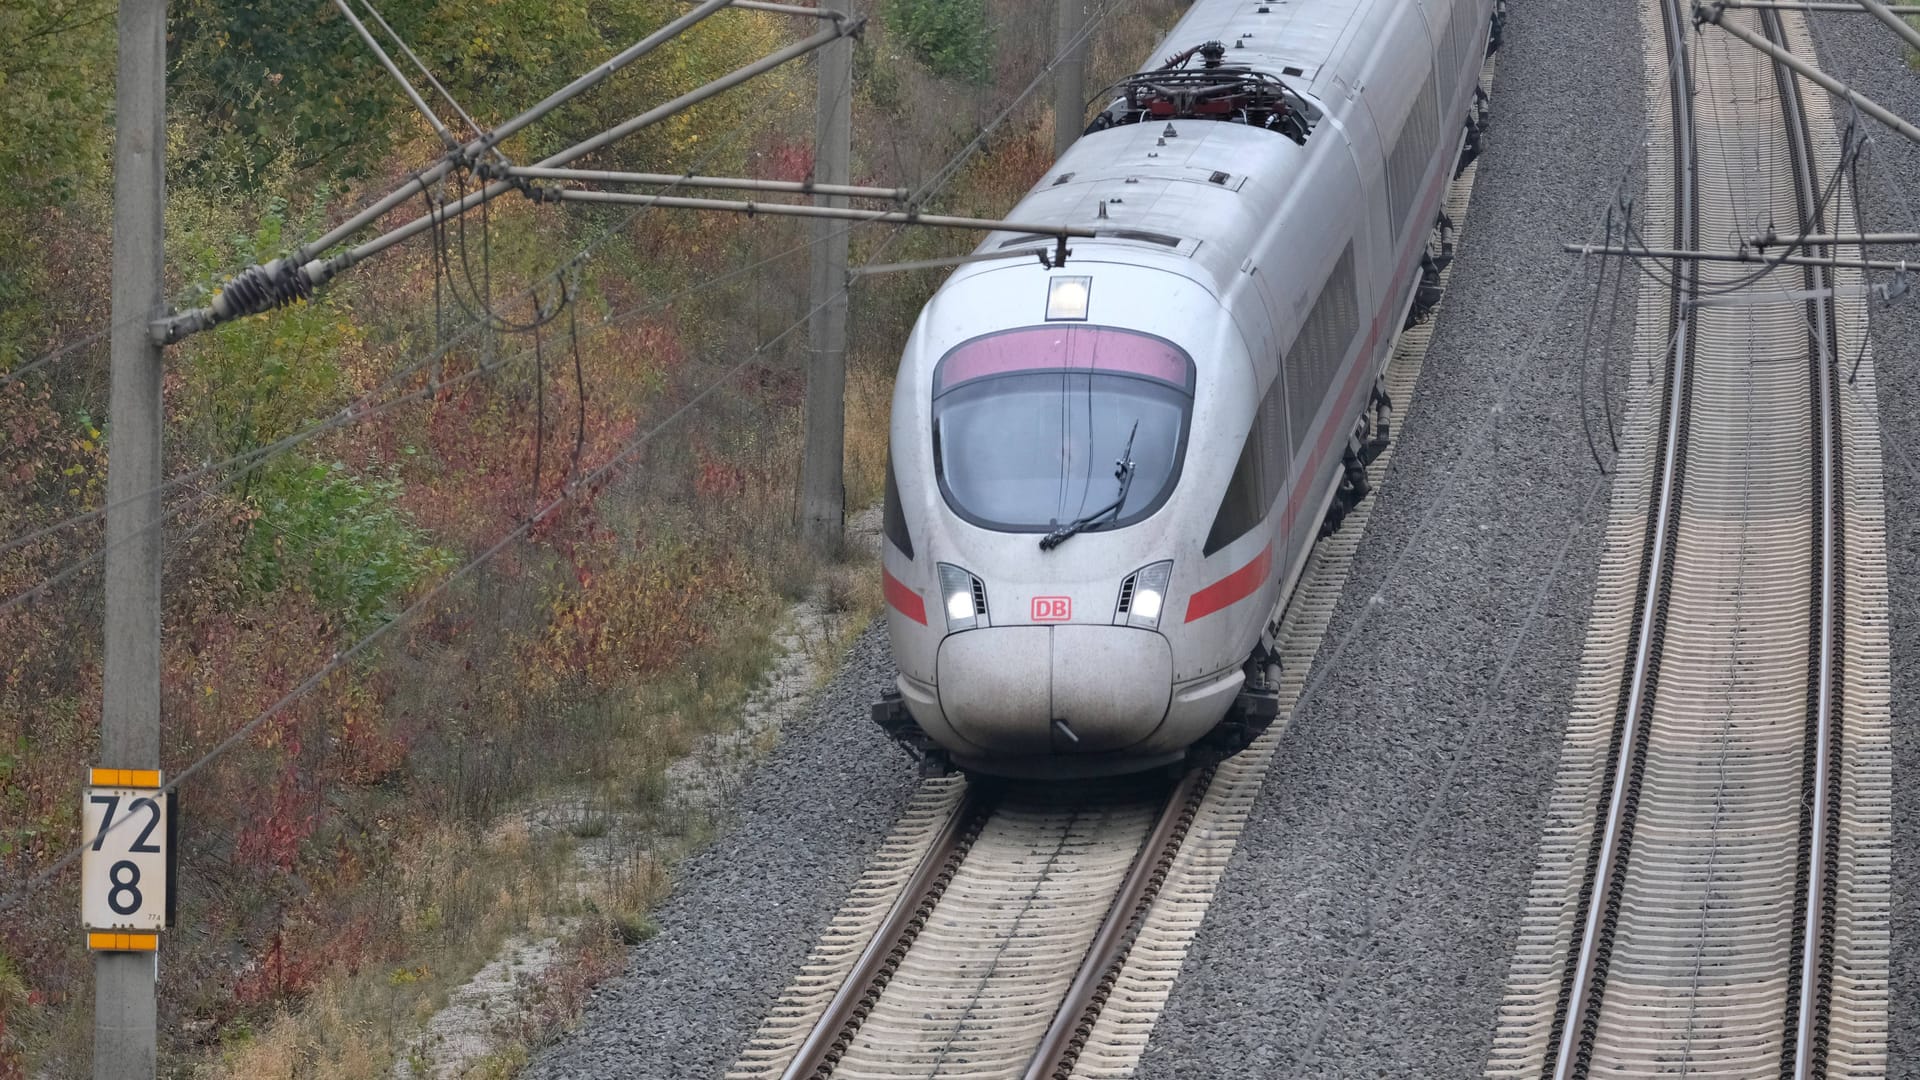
586,864
564,821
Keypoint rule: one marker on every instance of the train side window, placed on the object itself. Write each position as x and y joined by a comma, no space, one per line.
1323,342
893,521
1412,153
1243,506
1259,476
1459,45
1270,427
1446,44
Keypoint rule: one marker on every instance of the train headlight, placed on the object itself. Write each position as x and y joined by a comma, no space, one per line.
964,596
1067,298
1143,595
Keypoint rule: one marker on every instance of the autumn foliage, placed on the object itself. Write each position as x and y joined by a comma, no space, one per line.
340,463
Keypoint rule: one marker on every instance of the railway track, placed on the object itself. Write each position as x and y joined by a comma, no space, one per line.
1020,1011
997,955
1707,897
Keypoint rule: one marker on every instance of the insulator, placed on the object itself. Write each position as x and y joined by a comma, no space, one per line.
263,288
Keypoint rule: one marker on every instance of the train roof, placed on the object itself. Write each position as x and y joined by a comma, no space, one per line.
1291,39
1202,191
1203,194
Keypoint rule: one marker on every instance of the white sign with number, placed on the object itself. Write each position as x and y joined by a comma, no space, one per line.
123,868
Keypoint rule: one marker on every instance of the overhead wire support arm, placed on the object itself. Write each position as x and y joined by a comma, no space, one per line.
262,288
896,217
788,9
1824,6
826,36
940,264
786,187
425,72
324,271
1828,239
413,95
1899,266
1710,13
595,77
1893,20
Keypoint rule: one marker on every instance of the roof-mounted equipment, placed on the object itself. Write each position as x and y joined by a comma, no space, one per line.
1213,91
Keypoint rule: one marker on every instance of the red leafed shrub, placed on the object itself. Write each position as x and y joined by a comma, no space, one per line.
636,614
789,160
274,838
719,479
300,952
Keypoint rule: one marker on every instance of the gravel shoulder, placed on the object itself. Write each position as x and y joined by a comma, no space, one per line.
1365,925
749,907
1867,56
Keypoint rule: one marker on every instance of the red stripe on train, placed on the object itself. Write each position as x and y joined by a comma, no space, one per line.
903,599
1233,588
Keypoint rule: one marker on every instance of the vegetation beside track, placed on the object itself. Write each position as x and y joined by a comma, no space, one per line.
357,859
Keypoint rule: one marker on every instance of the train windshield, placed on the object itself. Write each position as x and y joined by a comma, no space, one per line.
1029,425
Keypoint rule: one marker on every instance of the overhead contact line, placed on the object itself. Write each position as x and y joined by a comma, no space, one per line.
1590,1029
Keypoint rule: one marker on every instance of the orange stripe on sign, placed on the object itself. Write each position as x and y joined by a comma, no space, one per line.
903,599
126,778
117,942
1233,588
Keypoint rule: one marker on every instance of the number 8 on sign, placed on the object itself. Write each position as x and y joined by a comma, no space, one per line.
123,868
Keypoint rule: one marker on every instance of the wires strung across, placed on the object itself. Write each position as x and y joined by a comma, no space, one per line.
579,485
582,487
1650,265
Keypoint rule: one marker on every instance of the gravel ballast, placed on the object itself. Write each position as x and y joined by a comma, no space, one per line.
1865,54
748,908
1365,924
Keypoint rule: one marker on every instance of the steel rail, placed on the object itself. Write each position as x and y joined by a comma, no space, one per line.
1579,1018
831,1036
1809,987
1060,1047
1807,1012
834,1031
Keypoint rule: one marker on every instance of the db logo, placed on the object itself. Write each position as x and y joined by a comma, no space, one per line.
1052,608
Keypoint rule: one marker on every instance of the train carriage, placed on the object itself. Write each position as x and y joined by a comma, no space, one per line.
1105,476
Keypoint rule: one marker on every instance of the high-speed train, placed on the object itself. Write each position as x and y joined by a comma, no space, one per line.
1106,476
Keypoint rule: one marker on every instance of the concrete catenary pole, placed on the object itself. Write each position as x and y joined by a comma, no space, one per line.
123,1023
1070,78
823,492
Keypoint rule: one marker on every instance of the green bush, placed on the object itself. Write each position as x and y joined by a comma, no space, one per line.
950,35
342,537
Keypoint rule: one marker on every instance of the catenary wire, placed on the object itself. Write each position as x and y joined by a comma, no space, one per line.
343,657
340,659
355,411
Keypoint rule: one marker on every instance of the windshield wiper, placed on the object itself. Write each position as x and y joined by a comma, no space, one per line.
1123,472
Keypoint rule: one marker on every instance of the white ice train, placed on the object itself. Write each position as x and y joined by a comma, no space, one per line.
1106,476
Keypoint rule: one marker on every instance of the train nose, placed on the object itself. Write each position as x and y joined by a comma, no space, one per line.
1003,687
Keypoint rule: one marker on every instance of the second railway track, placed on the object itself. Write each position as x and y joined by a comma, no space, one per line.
1711,896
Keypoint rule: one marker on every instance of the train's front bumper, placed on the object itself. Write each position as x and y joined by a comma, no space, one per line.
1003,687
1059,700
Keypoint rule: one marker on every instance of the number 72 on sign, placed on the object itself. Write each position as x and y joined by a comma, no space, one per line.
124,866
